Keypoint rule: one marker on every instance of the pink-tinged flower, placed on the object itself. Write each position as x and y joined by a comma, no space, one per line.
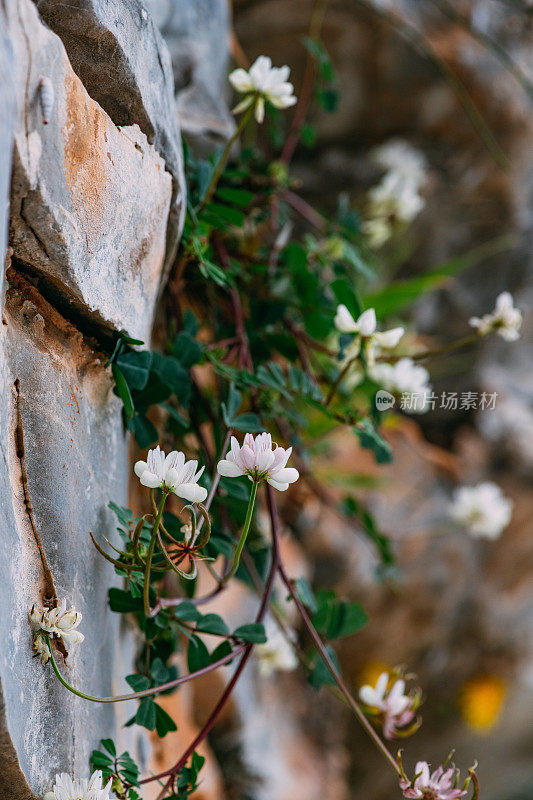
395,708
260,460
171,474
438,785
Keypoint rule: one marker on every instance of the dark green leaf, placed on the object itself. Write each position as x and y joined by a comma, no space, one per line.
109,745
122,601
253,632
212,623
135,366
371,440
197,655
305,594
146,713
163,721
123,390
239,197
139,683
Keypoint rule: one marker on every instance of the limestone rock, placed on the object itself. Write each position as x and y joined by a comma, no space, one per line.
89,201
119,55
7,104
197,33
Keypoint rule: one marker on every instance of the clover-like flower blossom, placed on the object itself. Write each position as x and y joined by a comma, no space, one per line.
396,709
276,654
263,82
438,785
396,198
505,320
483,509
404,376
260,460
171,474
66,788
59,623
365,328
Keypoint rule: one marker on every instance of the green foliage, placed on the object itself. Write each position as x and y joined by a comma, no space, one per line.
371,440
121,768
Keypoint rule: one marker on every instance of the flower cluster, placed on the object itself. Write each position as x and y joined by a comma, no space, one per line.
260,460
276,654
438,785
66,788
505,320
368,340
396,709
396,199
404,377
172,473
59,623
483,509
263,83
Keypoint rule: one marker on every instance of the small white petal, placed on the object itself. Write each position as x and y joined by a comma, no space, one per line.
140,467
191,492
366,324
281,487
344,322
286,475
150,480
228,469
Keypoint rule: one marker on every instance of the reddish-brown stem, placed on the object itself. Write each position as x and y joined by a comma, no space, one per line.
305,210
333,669
263,608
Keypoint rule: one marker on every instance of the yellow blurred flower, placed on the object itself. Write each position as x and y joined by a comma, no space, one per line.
481,701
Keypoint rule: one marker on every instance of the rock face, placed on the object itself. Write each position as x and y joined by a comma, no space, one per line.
197,34
119,55
91,204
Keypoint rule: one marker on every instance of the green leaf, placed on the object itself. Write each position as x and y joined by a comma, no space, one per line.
219,652
123,390
247,422
109,745
188,612
345,294
187,350
253,632
320,674
336,618
239,197
101,760
159,672
305,594
163,721
144,431
146,713
139,683
122,601
230,408
371,440
197,654
212,623
135,366
396,296
217,212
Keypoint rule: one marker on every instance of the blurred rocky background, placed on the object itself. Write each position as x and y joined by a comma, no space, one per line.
97,200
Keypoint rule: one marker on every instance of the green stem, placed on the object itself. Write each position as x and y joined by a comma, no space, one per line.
119,698
146,587
244,534
224,157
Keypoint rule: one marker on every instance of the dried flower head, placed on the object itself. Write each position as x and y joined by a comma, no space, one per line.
59,623
171,473
441,784
263,83
260,460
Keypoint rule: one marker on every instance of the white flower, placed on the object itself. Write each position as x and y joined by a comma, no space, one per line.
172,474
482,509
397,708
263,82
66,788
396,198
405,377
276,654
58,622
41,648
504,320
365,328
260,460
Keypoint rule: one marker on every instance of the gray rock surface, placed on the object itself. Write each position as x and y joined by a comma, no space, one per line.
89,213
90,201
197,33
119,55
